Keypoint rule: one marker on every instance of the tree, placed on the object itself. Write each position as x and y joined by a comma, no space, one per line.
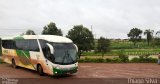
82,37
30,32
1,46
103,45
156,41
149,34
158,34
51,29
134,35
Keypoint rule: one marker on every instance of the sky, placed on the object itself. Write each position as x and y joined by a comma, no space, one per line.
108,18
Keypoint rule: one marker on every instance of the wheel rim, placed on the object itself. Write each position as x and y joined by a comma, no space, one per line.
40,69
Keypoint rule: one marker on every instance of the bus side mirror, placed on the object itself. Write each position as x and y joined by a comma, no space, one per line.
76,47
51,48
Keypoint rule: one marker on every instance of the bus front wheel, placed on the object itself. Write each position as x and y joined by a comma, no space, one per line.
14,64
40,70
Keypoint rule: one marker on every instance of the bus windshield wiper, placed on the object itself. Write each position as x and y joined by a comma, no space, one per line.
64,57
68,56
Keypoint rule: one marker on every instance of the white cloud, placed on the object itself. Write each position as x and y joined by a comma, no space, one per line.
109,18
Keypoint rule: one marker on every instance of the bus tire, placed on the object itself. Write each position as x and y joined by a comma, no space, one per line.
14,64
40,70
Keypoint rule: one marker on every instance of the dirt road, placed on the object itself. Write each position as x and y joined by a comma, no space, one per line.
91,71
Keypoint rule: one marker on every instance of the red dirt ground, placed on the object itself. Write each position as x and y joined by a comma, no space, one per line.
91,71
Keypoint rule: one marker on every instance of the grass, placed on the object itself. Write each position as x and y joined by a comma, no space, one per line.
97,57
141,48
125,44
133,52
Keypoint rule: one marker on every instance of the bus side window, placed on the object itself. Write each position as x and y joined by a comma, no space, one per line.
46,50
33,45
19,44
48,54
8,44
43,46
3,44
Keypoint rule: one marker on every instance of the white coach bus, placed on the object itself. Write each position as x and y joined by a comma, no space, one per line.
50,54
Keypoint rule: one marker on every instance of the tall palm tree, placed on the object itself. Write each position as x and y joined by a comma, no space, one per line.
158,34
149,34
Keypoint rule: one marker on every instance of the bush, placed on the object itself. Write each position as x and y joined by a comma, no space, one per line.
81,60
88,59
123,57
116,60
144,59
153,60
100,60
92,60
134,60
1,61
156,41
107,60
141,59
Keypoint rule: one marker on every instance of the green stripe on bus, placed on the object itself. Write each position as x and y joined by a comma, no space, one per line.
24,56
23,53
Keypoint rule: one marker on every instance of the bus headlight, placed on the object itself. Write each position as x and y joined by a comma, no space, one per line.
55,72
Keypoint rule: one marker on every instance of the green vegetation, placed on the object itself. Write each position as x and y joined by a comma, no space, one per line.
82,37
118,60
0,47
123,56
103,45
134,35
149,34
51,29
30,32
111,53
156,41
143,59
1,61
134,52
126,44
100,60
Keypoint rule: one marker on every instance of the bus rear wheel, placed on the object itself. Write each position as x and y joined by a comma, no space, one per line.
14,64
40,70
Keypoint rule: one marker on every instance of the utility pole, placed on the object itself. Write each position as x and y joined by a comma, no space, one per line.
94,34
91,29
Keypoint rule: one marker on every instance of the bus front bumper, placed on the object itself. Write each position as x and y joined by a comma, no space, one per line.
64,71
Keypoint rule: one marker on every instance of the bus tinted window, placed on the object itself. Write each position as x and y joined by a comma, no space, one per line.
43,46
3,43
21,44
28,45
33,45
8,44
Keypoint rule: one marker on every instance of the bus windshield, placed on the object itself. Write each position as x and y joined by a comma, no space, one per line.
64,53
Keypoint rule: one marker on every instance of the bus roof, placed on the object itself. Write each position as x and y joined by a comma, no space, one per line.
50,38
